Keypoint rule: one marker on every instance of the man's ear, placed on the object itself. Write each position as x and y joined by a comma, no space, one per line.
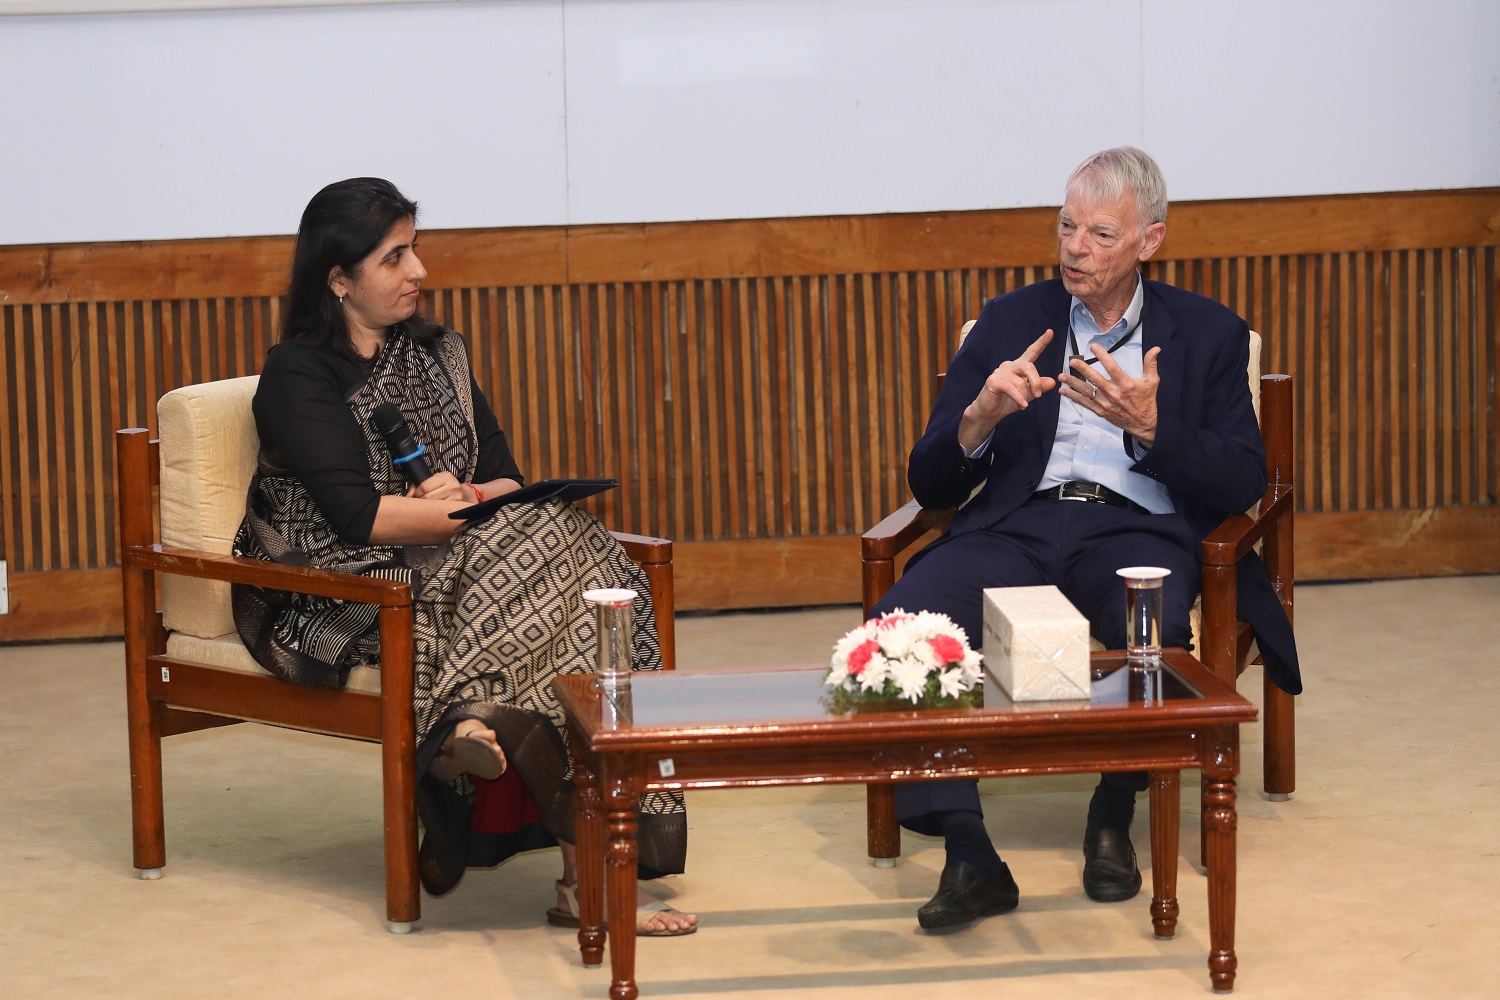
1155,233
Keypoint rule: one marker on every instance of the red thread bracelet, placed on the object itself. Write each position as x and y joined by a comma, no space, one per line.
478,494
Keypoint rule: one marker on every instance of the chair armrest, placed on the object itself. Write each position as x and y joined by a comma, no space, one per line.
900,529
276,576
654,556
878,547
645,548
1236,536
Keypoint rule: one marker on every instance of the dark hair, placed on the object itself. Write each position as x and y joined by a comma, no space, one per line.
342,225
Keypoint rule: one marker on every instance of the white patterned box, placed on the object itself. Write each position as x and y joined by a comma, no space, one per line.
1036,644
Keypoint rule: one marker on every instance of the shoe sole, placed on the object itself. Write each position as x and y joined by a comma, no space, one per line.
1112,894
939,921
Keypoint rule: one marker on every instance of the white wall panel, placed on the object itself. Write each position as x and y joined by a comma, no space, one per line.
1290,97
527,112
786,107
160,126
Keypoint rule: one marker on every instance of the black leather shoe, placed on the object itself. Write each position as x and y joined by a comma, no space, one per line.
1110,874
965,893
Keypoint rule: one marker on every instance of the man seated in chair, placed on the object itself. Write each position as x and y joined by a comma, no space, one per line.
1129,397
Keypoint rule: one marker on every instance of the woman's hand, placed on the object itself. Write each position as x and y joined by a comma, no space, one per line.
441,486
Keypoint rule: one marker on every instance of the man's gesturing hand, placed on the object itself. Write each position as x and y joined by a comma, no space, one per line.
1010,387
1128,403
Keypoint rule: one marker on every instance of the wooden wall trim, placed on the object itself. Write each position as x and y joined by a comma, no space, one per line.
769,573
63,604
1390,544
752,248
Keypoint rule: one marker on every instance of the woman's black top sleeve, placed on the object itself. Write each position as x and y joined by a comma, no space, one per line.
495,459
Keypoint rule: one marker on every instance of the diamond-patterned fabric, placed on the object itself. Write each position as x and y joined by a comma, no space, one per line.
498,610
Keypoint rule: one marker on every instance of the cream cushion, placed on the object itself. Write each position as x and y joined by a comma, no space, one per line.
228,652
208,453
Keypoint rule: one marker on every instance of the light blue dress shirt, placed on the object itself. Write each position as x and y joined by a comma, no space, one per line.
1088,447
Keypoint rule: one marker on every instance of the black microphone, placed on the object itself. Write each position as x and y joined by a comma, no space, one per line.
405,452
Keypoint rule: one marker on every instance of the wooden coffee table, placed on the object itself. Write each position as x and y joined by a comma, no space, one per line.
757,727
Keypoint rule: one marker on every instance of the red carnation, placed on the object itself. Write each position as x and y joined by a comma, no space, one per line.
947,648
860,657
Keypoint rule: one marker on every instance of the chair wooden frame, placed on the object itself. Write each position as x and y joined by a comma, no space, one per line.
166,695
1226,643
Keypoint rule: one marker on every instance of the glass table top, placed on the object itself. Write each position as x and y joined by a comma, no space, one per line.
710,697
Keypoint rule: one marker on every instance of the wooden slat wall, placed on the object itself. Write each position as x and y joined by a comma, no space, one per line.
1394,356
757,385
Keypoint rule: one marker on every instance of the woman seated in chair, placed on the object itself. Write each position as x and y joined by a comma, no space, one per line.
496,604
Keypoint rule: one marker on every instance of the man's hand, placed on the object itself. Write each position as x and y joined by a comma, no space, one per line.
1011,387
1128,403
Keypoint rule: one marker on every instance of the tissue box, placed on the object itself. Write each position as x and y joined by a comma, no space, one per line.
1036,644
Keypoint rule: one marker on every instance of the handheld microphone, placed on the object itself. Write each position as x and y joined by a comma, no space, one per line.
405,452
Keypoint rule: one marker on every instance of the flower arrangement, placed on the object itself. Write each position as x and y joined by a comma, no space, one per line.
923,658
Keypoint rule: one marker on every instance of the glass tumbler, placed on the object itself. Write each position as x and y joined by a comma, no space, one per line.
1143,614
614,618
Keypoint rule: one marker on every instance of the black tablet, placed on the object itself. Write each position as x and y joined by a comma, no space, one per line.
546,489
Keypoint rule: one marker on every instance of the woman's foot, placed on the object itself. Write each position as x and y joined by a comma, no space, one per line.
472,749
653,917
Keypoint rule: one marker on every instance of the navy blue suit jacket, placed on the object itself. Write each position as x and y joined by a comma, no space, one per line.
1208,450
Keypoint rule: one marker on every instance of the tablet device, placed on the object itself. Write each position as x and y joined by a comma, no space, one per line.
546,489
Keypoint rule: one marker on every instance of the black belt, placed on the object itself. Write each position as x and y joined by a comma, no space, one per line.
1090,492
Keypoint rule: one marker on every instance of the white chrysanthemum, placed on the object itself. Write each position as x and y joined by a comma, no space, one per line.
898,640
951,682
875,674
910,677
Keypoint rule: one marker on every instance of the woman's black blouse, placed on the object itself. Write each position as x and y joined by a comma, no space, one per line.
310,431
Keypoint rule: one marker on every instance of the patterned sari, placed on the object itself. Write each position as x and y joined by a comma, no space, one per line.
497,610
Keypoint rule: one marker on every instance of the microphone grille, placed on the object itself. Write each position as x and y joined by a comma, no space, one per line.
388,419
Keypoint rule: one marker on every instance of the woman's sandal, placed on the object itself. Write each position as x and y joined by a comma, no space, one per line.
566,914
469,754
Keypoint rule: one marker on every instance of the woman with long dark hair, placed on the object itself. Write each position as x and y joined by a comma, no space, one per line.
496,604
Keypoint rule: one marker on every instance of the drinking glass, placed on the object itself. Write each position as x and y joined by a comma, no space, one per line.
1143,614
614,616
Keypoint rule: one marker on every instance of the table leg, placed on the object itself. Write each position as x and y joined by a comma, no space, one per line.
623,781
1166,815
1218,773
883,837
588,835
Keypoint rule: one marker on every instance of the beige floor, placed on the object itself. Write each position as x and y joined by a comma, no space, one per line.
1379,879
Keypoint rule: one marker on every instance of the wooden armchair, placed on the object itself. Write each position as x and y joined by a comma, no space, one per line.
1222,642
185,667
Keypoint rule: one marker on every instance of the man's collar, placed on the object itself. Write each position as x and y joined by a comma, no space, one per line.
1086,327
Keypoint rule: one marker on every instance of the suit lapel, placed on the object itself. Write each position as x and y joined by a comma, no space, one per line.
1049,364
1158,330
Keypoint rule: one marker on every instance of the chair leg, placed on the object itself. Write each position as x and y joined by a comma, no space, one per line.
147,816
143,722
403,905
1280,739
884,837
